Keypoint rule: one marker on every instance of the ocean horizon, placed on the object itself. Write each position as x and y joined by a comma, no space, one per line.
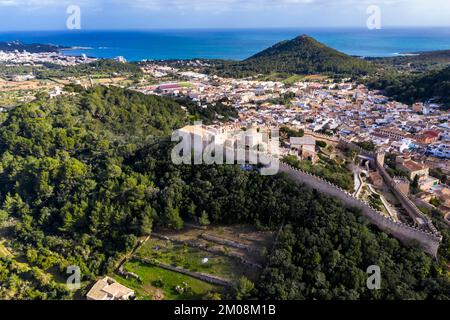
233,44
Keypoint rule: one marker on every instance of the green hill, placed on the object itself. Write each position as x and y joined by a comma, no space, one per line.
302,55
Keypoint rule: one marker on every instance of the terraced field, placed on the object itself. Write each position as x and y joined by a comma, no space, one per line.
226,253
194,259
161,284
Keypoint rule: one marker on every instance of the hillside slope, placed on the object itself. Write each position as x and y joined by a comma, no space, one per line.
83,176
409,88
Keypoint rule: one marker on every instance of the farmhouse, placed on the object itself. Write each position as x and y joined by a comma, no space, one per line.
109,289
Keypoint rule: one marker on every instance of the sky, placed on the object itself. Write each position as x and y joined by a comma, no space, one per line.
18,15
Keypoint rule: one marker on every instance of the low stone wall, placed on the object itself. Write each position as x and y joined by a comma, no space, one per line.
197,275
226,242
322,137
427,240
195,226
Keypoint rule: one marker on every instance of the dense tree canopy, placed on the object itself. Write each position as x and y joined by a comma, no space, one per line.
84,175
411,88
105,67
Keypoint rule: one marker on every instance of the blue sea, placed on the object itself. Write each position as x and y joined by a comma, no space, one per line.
233,44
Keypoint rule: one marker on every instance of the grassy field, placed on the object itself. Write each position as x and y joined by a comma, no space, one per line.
191,259
185,84
290,79
293,79
158,283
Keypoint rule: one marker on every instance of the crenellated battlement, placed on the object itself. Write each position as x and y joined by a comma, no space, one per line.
427,240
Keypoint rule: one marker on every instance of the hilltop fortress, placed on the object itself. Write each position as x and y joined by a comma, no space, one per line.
423,233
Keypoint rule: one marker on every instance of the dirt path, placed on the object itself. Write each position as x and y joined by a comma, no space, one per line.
131,253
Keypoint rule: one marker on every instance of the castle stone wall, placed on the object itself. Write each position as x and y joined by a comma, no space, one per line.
408,234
